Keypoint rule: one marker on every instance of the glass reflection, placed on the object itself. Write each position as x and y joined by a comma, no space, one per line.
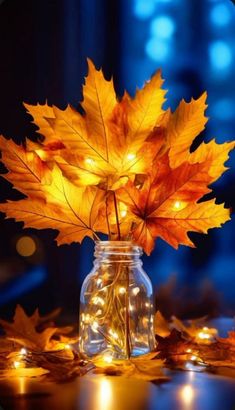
105,395
187,395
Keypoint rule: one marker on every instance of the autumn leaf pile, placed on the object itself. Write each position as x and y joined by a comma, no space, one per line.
40,348
122,168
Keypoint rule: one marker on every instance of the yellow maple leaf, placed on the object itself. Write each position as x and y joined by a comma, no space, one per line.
67,208
26,171
183,126
93,152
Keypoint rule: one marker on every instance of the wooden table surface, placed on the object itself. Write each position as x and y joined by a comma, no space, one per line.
189,390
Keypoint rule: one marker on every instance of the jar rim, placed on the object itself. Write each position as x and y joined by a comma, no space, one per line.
118,246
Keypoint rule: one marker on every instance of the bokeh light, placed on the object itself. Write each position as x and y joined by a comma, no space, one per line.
162,27
157,50
26,246
220,14
143,9
223,109
220,54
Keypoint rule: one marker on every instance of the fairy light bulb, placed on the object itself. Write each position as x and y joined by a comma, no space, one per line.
97,300
122,291
135,291
67,346
178,205
130,156
89,161
113,334
108,358
23,351
18,364
95,326
123,213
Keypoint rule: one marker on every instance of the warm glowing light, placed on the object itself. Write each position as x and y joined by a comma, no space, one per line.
18,364
89,161
26,246
67,346
189,350
122,209
147,304
23,351
99,281
136,291
97,300
108,358
193,357
203,335
86,319
122,291
99,312
130,157
187,394
206,334
22,383
178,205
113,334
123,213
94,327
105,397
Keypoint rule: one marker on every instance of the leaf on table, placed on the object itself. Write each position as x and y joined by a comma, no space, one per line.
230,340
161,325
22,331
146,367
194,330
173,348
23,372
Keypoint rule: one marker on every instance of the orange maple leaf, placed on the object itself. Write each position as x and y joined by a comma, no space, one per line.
23,331
166,205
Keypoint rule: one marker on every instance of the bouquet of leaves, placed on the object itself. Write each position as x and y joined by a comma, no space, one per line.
119,167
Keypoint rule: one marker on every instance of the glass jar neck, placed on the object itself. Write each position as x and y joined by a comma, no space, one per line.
117,251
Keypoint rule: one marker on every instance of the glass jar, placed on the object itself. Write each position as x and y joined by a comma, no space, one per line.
116,304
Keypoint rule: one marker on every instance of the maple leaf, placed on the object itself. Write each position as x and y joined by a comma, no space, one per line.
130,146
92,153
146,367
173,347
22,331
183,126
166,205
26,171
71,210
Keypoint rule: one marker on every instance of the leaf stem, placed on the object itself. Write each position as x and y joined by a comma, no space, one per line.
107,217
116,214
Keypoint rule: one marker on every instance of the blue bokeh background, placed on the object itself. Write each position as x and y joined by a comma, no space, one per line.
43,48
